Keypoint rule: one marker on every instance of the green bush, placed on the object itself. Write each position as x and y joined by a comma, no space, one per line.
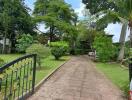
23,42
1,62
105,50
41,51
58,52
60,44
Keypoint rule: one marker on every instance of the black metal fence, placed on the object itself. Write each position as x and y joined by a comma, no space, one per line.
17,78
130,69
130,65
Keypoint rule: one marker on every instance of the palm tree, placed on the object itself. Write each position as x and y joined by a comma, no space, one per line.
125,12
128,6
117,16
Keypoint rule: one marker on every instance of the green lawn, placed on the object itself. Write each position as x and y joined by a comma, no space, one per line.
9,57
117,74
49,64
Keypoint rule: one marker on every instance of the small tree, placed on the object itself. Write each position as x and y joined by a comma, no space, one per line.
59,49
41,51
104,47
58,52
23,42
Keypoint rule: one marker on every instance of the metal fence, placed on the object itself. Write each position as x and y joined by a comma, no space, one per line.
130,70
17,78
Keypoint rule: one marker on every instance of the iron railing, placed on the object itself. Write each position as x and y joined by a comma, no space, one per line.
17,78
130,69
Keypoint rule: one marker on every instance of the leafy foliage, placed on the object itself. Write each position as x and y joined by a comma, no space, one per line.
41,51
61,44
58,52
23,42
104,48
14,20
95,6
42,38
111,11
85,37
57,15
105,11
59,49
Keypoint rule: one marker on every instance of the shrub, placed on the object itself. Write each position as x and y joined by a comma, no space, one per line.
60,44
1,62
41,51
58,52
105,50
23,42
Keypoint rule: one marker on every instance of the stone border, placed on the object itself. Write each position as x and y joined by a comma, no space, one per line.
37,86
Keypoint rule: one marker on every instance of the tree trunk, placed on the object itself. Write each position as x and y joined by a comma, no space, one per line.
4,44
72,46
10,46
122,42
51,33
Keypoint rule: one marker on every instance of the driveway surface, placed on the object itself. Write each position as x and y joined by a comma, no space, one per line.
78,79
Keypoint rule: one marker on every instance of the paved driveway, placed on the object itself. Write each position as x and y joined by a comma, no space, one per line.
78,79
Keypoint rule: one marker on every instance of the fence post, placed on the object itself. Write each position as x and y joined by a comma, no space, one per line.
130,65
130,70
34,73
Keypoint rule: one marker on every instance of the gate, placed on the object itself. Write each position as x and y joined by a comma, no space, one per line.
17,78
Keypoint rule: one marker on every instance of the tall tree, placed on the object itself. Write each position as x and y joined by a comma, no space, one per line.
14,20
54,13
5,21
111,12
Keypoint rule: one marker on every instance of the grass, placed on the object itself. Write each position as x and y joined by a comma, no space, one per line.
117,74
49,64
9,57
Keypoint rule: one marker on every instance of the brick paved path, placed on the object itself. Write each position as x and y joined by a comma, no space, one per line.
78,79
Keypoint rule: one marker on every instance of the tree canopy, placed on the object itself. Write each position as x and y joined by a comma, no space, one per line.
96,6
56,14
14,19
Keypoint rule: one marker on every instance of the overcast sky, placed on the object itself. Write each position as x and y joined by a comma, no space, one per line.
77,5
